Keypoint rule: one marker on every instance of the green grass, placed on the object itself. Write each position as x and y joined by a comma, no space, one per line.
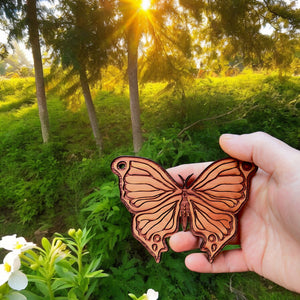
66,184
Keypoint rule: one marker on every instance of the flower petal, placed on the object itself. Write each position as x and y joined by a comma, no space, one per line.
12,243
16,296
18,281
152,295
27,246
13,260
8,241
4,275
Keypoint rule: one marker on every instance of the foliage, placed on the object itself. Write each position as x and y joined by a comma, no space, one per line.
67,184
82,43
61,269
16,64
38,177
103,212
233,33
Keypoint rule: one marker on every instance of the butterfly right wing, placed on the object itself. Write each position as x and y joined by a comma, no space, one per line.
215,198
153,197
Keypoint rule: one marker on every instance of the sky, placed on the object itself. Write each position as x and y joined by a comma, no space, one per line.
3,35
27,52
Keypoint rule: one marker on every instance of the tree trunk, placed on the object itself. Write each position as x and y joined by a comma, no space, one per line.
133,87
90,108
38,68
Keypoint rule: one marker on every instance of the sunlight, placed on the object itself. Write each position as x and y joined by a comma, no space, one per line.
146,4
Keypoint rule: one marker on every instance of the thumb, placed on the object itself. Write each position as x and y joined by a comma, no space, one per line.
267,152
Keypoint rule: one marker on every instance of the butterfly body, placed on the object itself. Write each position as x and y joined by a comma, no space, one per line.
207,205
184,210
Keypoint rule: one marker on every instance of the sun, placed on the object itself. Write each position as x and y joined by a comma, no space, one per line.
145,5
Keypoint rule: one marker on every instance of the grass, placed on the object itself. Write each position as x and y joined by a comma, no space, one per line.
48,188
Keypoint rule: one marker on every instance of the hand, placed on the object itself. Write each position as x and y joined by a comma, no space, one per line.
269,232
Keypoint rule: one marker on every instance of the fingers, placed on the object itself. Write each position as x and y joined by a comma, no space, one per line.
183,241
225,262
185,170
267,152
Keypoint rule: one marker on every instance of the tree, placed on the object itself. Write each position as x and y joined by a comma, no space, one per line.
34,39
137,22
232,29
130,11
12,11
79,37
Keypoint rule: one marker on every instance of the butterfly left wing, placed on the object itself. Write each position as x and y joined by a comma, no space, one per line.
153,197
152,227
215,198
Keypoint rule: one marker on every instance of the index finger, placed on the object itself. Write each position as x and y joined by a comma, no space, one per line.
184,171
185,241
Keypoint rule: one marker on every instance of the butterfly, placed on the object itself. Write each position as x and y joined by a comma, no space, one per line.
207,206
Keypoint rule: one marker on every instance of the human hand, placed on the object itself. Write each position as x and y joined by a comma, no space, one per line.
269,224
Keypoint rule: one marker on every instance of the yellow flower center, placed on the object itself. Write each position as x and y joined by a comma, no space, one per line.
7,267
18,246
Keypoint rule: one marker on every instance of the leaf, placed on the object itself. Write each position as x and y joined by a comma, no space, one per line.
91,289
94,264
72,295
46,244
67,273
97,274
42,287
32,296
60,284
35,278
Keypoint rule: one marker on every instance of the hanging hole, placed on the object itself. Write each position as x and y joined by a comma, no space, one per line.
121,165
246,166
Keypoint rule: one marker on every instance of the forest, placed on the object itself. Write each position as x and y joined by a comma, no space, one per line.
156,79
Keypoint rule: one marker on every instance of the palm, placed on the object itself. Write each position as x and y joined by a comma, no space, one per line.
268,243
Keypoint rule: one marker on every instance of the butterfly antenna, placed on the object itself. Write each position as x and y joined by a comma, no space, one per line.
185,181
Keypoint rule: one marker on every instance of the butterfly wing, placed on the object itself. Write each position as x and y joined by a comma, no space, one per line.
215,198
153,197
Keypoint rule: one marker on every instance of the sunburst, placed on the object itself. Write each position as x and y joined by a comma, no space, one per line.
145,5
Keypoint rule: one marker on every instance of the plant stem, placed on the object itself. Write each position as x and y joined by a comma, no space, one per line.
51,294
79,259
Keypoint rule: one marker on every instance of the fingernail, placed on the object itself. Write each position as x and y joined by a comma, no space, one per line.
229,136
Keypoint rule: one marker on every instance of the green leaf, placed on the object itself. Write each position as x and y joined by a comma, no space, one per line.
72,295
94,265
66,272
32,296
35,278
60,284
97,274
46,244
42,287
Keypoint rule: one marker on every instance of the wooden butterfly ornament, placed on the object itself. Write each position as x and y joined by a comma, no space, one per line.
159,204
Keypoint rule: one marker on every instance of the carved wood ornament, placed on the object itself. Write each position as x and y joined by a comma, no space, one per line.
206,206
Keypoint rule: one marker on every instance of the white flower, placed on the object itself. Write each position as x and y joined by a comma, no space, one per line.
16,296
18,245
9,272
152,295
